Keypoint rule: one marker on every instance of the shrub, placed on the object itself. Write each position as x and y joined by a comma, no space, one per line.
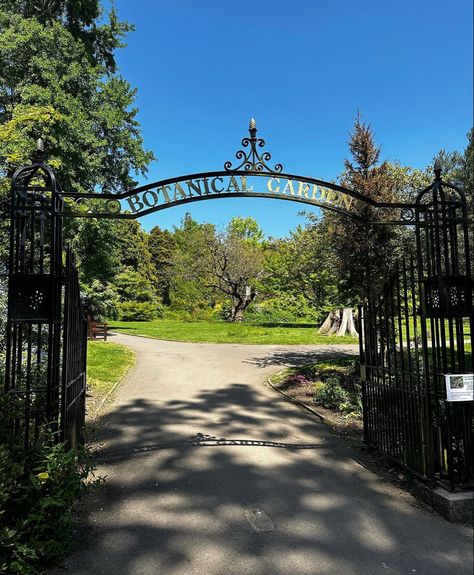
38,488
335,384
331,394
139,310
99,300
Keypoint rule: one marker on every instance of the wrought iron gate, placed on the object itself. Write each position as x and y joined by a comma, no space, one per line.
413,334
45,332
73,385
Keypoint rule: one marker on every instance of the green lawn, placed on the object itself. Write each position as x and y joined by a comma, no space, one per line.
106,364
224,332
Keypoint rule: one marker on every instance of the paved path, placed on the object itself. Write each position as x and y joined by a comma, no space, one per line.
279,495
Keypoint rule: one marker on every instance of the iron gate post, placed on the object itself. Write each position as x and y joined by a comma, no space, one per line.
34,365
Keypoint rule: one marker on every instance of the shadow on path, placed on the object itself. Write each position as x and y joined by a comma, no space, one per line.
170,507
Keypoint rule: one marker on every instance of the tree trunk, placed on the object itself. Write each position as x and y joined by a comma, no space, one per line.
339,322
240,304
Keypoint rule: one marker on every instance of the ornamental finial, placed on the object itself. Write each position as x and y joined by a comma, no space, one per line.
38,155
253,161
438,167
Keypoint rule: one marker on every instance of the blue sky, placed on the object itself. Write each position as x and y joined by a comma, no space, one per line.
302,69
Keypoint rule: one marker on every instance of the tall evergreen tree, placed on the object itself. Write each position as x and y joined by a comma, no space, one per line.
161,244
365,252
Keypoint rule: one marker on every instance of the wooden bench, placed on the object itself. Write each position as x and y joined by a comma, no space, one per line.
97,329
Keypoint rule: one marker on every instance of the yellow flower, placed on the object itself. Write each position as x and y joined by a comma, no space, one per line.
43,476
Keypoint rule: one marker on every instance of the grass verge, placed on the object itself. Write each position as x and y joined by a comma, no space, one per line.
224,332
107,363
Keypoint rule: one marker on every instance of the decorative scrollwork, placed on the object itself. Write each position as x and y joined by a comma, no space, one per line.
383,214
407,214
113,207
83,205
252,161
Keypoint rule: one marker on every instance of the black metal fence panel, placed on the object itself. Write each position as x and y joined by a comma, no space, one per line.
414,334
74,360
40,303
445,276
396,419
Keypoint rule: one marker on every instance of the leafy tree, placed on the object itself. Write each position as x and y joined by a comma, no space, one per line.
58,80
64,89
161,244
234,264
99,300
191,241
134,251
246,229
233,268
303,265
132,285
96,244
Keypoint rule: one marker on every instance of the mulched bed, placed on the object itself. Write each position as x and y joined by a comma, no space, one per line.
350,428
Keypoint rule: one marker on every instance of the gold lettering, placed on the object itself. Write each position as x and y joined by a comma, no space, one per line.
164,190
273,190
233,184
331,195
347,201
179,190
214,187
289,186
303,189
316,193
206,186
194,185
154,198
135,204
243,184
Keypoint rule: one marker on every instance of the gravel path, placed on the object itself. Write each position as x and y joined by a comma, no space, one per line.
209,472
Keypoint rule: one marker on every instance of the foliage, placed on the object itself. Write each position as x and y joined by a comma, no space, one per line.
132,310
187,291
364,253
161,245
233,264
246,229
99,301
59,81
330,393
335,384
38,488
282,307
133,249
300,270
296,379
131,285
96,244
